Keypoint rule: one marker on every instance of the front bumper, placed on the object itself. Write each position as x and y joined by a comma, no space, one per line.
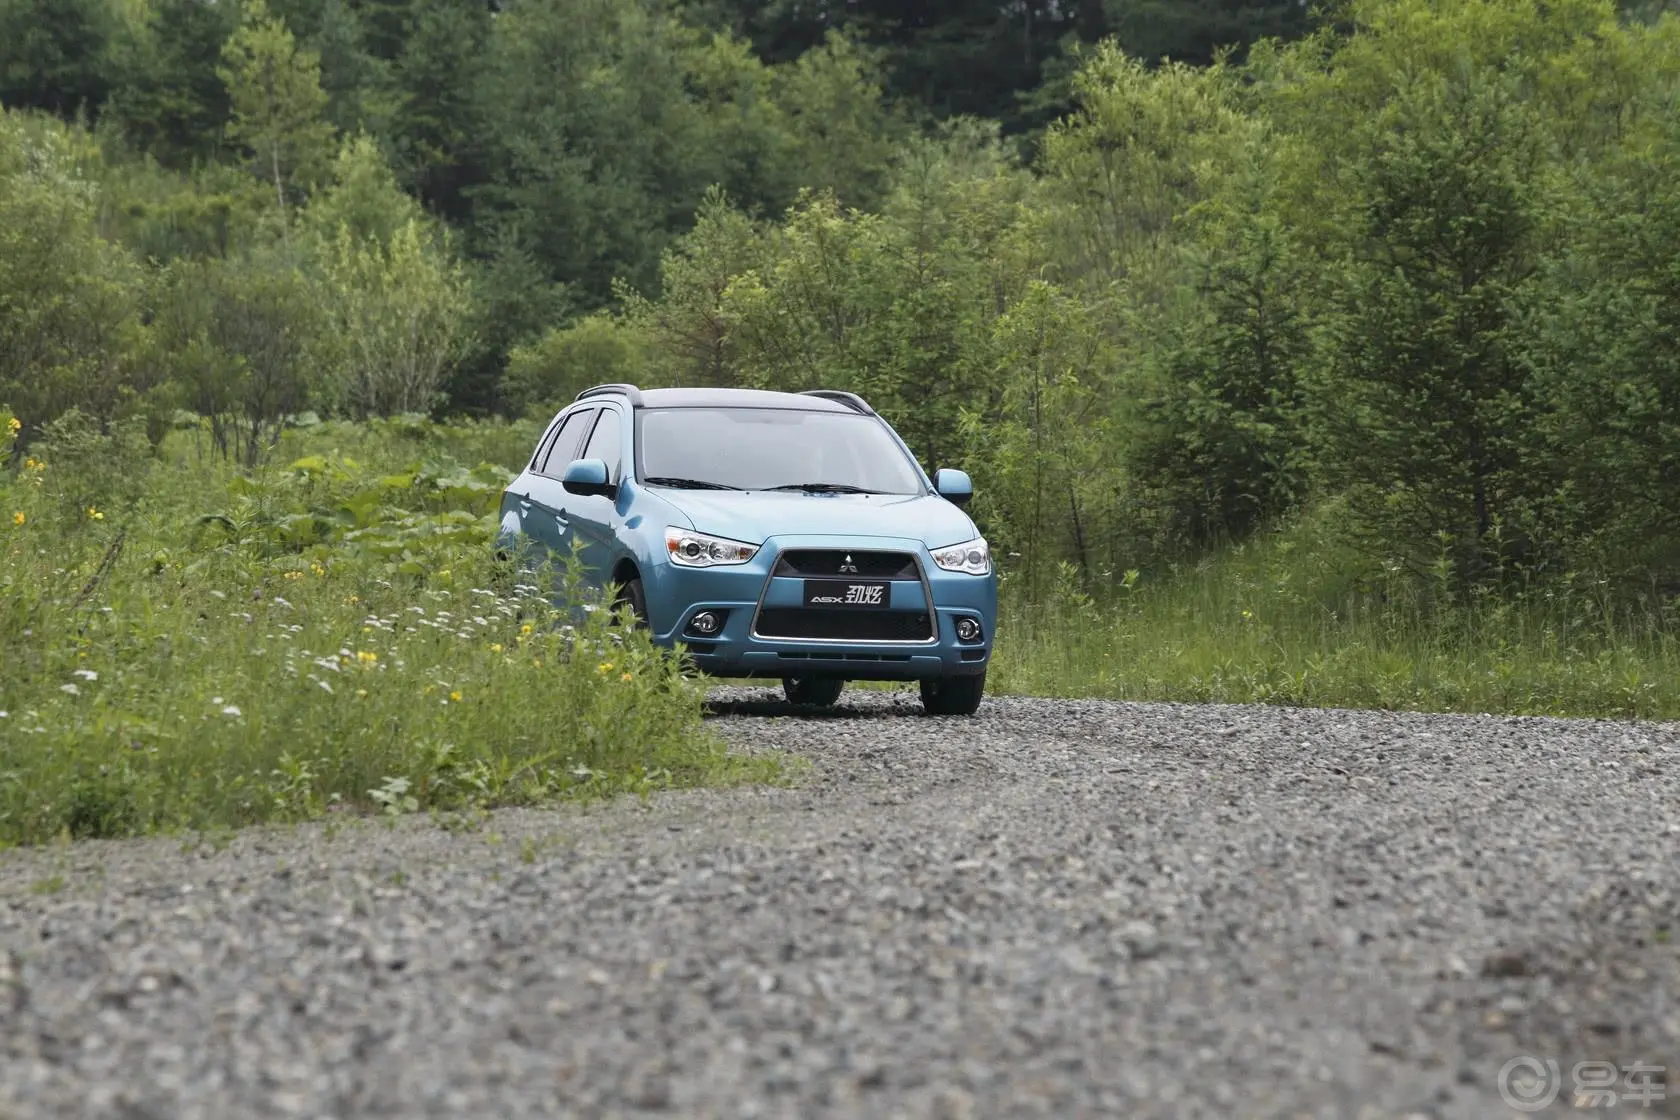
742,593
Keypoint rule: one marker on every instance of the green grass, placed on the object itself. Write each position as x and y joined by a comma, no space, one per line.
192,648
1292,618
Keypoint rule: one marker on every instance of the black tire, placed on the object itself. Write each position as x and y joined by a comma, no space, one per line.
817,691
953,696
632,596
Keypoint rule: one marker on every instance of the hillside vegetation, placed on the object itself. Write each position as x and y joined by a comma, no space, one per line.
1339,366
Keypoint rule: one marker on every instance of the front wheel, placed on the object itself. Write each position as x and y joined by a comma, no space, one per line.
817,691
953,696
631,595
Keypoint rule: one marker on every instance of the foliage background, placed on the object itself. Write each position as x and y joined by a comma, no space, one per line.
1381,298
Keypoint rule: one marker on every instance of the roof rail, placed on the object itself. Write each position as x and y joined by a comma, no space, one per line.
621,388
850,400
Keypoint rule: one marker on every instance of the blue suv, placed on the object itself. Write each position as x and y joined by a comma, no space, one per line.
781,535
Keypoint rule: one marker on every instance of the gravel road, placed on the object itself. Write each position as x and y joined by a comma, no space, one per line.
1054,909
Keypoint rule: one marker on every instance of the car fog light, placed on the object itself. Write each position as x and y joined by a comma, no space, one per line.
968,629
704,623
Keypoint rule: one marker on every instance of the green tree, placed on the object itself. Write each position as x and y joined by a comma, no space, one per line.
57,54
70,329
1600,335
1214,435
1428,418
243,334
274,88
171,101
437,123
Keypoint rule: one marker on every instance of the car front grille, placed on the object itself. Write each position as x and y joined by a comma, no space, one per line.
838,561
850,626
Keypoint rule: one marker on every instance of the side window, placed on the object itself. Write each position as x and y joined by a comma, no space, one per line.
541,452
605,441
563,448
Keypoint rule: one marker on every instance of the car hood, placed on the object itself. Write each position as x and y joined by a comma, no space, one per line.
755,515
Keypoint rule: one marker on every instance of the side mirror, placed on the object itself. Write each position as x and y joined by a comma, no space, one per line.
587,476
953,485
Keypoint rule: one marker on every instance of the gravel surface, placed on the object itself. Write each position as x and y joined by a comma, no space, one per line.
1053,909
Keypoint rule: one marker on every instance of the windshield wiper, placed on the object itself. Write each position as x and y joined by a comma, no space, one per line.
826,488
688,483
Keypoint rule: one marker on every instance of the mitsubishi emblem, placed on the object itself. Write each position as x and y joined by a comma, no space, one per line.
848,566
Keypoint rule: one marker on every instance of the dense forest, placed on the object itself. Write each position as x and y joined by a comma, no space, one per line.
1158,273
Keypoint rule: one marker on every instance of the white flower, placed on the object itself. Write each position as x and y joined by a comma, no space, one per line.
231,710
324,685
70,688
4,714
215,699
86,674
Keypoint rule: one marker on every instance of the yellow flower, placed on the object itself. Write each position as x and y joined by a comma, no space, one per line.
455,696
604,667
361,692
625,677
495,647
317,569
294,575
536,662
34,464
14,424
366,658
95,515
352,600
18,518
444,574
525,629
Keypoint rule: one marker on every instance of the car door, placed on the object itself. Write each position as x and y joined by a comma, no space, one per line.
594,517
543,508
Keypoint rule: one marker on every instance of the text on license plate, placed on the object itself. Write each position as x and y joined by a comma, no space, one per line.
846,593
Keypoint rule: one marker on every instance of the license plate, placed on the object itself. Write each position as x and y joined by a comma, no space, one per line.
847,593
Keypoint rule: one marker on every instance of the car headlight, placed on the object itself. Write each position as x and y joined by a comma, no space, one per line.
702,550
973,557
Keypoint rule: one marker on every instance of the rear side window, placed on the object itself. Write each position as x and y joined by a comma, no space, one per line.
562,449
606,441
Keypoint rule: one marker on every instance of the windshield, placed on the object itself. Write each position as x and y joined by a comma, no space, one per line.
765,448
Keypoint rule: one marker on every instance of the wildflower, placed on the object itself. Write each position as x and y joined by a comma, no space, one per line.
604,667
231,710
352,600
18,518
495,647
455,696
625,678
14,425
86,674
1247,613
366,657
525,629
294,575
444,574
361,692
33,464
536,662
70,688
94,514
5,714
